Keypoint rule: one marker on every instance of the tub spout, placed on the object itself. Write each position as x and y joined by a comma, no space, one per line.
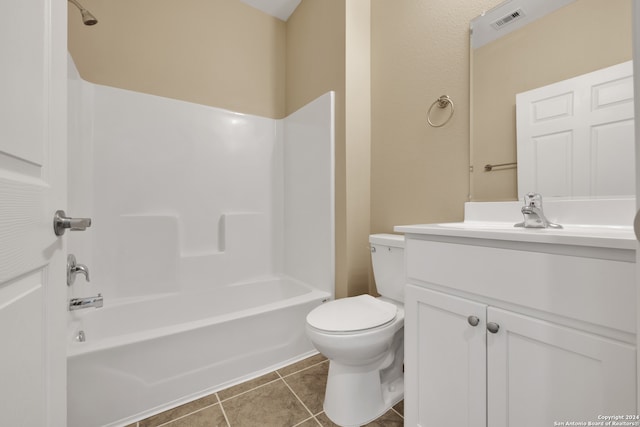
79,303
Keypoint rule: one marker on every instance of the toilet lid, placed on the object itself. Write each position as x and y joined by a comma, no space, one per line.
352,314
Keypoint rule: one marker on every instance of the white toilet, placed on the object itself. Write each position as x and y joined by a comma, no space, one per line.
363,338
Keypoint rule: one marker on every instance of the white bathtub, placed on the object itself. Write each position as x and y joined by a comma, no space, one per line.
143,356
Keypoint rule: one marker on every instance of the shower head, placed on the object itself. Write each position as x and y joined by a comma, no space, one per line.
87,17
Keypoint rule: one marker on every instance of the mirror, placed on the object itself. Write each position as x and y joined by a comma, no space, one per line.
521,45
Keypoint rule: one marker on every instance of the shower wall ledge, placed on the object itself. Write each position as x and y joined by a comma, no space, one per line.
151,258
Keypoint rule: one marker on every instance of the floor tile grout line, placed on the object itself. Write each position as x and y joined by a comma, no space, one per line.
185,415
305,420
399,414
280,376
303,369
224,413
294,393
247,391
315,417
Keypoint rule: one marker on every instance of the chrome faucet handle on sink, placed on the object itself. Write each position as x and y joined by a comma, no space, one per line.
533,213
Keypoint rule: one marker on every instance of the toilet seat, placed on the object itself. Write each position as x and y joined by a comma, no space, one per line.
352,314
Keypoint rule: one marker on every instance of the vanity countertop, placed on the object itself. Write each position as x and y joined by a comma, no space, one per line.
614,237
606,223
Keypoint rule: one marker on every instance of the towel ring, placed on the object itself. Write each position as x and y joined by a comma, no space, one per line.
441,103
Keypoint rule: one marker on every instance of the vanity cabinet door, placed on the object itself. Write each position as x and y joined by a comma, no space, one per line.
445,360
540,372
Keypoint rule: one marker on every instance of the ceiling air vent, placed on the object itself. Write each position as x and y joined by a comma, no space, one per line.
508,19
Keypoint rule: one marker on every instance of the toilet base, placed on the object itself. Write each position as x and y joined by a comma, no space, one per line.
357,397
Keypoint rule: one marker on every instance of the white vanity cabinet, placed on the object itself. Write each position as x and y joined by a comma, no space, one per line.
445,360
500,333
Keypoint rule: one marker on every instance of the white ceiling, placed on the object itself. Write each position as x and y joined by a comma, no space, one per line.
281,9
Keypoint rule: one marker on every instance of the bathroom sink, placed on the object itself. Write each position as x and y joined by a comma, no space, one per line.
587,223
615,237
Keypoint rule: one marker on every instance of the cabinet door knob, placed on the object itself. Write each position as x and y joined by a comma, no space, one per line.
493,327
473,320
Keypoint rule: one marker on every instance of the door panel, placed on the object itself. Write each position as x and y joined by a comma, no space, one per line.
32,187
444,360
22,327
636,89
540,372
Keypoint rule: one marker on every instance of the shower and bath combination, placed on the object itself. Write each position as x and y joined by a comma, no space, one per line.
182,318
87,17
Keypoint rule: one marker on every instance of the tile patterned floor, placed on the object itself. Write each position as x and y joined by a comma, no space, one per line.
288,397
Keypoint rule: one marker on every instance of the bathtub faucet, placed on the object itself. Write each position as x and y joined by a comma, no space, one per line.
74,268
79,303
533,214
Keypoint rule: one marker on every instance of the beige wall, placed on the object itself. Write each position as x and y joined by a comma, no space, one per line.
358,143
221,53
581,37
419,51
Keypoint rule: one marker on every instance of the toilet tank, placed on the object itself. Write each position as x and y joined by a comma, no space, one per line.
387,257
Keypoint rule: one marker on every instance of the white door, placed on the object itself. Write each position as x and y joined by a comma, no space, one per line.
32,187
636,86
539,373
575,137
445,360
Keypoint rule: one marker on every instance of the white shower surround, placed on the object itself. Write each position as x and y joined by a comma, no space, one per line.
190,202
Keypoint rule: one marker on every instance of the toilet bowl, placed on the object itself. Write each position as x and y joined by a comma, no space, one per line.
363,338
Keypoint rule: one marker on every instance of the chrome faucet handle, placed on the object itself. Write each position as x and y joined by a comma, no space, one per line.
533,214
533,200
73,268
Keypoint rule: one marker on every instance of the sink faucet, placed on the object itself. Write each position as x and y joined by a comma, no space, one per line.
533,214
79,303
